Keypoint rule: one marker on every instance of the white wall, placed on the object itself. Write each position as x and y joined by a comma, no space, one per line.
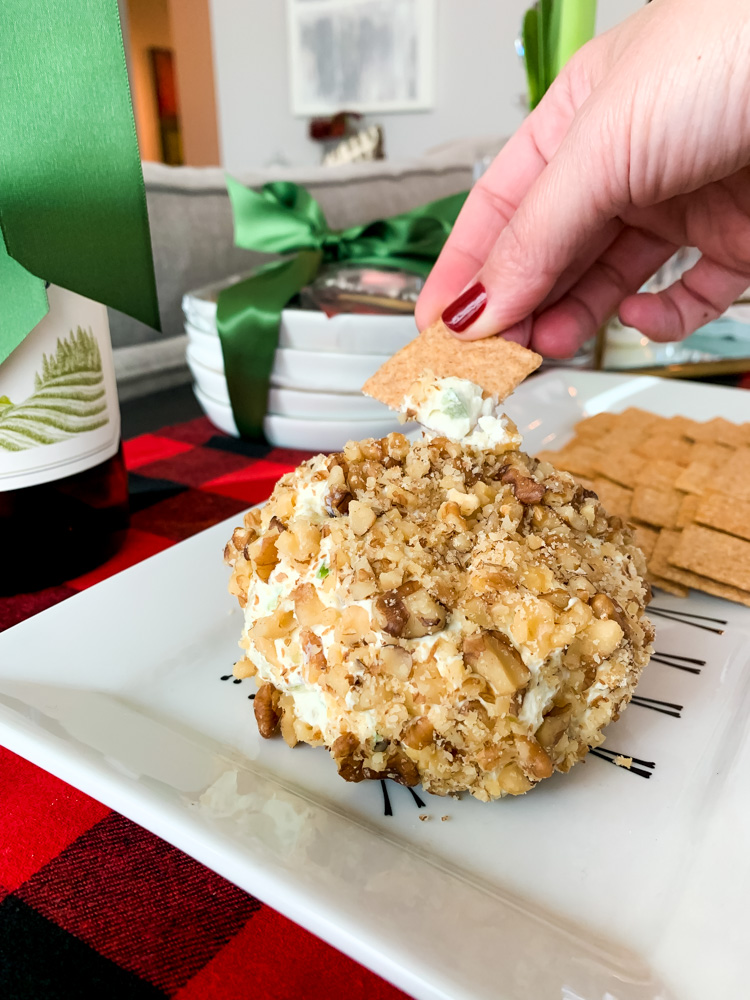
479,85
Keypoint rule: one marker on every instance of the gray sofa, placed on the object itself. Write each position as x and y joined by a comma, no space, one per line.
193,245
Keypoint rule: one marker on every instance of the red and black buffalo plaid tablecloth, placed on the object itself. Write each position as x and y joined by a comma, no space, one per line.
92,905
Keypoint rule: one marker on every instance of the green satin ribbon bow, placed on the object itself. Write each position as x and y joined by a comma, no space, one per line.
284,218
72,202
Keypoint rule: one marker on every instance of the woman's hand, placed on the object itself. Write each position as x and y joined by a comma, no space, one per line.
641,146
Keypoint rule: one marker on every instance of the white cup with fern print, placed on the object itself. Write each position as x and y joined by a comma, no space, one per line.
59,413
61,465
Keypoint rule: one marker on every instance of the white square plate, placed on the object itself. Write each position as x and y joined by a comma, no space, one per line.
603,884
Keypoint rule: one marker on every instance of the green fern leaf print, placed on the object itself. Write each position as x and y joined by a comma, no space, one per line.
69,397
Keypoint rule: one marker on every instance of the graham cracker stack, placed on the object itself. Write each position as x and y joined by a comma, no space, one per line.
683,485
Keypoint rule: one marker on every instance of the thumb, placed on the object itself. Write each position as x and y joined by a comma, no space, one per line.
567,206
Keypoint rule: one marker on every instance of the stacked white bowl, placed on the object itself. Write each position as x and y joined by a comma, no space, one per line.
315,402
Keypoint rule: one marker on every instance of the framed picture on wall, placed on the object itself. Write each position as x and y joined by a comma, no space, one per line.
360,55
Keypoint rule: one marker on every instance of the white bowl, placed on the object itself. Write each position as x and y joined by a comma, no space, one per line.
205,348
308,330
325,405
289,432
347,333
323,435
220,414
293,369
211,382
323,372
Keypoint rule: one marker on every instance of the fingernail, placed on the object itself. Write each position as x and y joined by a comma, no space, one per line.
468,307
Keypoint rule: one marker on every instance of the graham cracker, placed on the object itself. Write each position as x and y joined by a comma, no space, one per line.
621,468
645,539
665,445
656,506
668,586
727,433
659,563
714,554
718,511
674,473
661,472
686,513
495,364
635,417
588,484
553,457
734,479
714,455
578,460
620,438
593,427
616,498
695,478
677,426
720,431
660,566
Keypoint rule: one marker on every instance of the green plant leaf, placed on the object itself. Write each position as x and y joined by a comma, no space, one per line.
552,31
546,44
577,25
530,36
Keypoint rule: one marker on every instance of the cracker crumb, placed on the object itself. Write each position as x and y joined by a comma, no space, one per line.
424,817
624,761
444,819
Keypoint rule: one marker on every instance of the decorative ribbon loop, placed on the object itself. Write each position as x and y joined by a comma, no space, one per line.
283,218
72,202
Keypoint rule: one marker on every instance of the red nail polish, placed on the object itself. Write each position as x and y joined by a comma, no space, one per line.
468,306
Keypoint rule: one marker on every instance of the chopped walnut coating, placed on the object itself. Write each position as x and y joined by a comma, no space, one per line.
526,489
409,612
468,619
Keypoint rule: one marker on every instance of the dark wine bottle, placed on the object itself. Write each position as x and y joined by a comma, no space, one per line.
61,529
63,483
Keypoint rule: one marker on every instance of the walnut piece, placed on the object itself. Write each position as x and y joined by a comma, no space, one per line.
396,661
527,490
266,711
535,761
361,517
338,500
312,649
263,554
553,726
491,655
399,768
605,608
391,615
308,607
408,612
418,733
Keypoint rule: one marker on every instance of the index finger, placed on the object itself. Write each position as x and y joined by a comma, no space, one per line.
491,204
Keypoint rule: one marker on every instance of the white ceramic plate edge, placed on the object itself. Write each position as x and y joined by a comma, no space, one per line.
718,859
316,902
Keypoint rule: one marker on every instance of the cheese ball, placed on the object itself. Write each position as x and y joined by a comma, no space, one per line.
440,612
